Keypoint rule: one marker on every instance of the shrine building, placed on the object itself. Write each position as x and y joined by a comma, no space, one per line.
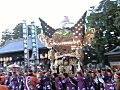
13,52
114,57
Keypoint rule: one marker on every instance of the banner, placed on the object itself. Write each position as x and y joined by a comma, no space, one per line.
25,44
34,43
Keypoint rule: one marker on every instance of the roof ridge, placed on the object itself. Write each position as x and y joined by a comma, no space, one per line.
117,48
8,41
14,40
17,44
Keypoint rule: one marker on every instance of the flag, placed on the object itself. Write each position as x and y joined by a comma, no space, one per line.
79,28
46,29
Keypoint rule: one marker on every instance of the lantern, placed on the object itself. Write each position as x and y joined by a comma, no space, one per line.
51,54
4,59
10,58
1,59
7,58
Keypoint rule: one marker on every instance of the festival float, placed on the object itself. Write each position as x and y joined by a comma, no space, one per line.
65,44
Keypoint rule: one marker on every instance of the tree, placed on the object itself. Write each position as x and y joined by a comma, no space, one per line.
117,22
18,31
103,20
6,35
38,29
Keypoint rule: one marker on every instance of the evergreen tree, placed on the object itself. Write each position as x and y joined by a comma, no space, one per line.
117,22
6,35
17,33
103,19
38,30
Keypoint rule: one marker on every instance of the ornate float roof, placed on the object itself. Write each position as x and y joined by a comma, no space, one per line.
115,51
67,38
17,45
78,29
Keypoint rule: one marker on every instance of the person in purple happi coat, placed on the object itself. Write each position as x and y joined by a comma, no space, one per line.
88,81
68,82
14,83
7,79
99,82
109,83
58,84
40,76
25,80
21,81
46,80
80,82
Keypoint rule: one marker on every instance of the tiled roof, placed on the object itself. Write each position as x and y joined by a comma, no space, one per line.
17,45
114,51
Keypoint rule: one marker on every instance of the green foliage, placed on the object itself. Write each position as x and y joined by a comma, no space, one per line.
17,33
6,35
38,29
106,20
117,19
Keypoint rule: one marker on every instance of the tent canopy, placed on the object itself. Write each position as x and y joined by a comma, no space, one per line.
13,66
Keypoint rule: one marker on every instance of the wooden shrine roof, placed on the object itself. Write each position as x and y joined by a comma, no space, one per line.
17,45
115,51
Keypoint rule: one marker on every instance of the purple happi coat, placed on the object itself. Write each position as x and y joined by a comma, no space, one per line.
21,82
88,82
46,80
109,85
14,83
104,77
58,84
69,84
25,82
7,81
80,82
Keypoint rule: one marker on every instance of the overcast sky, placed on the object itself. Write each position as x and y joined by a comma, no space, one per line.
13,12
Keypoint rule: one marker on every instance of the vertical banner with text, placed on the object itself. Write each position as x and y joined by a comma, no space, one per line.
25,44
34,43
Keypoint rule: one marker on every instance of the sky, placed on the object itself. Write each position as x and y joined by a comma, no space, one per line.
13,12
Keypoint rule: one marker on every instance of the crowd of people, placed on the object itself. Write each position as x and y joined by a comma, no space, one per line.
105,79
